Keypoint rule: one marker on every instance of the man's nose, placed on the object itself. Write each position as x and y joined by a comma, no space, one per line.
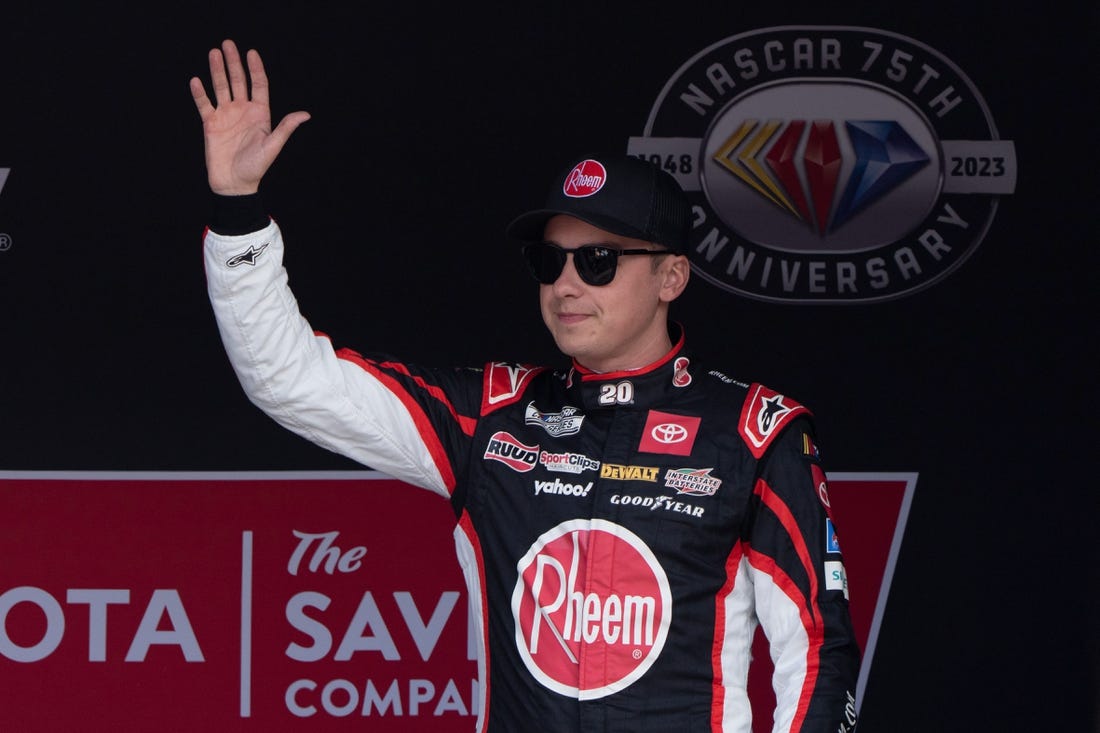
569,281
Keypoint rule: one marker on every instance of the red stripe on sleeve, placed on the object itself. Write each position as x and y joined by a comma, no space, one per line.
468,424
810,612
718,684
786,518
423,425
814,632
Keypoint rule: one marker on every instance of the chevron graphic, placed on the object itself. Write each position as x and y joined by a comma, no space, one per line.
747,167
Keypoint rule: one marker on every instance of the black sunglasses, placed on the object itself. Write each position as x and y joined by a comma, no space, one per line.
595,263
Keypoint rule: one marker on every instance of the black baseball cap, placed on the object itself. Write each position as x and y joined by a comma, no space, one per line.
619,194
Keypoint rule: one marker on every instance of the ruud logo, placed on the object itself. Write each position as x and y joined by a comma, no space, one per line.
828,164
504,447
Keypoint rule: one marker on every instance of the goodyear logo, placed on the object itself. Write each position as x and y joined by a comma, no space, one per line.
828,164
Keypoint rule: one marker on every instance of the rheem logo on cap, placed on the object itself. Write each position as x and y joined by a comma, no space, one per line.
586,178
588,629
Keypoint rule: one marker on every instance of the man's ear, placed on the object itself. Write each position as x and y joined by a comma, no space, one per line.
675,272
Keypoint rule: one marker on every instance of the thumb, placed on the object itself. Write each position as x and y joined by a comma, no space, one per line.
286,126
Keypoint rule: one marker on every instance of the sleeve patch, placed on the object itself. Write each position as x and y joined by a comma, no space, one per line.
763,416
821,483
809,448
504,384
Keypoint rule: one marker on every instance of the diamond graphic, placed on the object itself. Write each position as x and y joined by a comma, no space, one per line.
885,156
822,160
781,159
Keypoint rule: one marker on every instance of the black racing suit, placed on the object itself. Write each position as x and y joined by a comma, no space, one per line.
621,535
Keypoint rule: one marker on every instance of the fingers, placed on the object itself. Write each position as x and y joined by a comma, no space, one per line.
238,83
202,102
259,77
217,76
235,85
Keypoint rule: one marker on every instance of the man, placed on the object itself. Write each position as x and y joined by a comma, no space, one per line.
621,526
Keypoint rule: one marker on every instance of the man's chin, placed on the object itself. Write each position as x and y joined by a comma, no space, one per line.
573,347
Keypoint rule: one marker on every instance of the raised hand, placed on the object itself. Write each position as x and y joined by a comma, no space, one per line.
240,144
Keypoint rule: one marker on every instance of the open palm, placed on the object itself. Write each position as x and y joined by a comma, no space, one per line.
240,144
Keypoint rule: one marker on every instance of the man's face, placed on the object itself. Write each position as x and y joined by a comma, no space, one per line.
621,325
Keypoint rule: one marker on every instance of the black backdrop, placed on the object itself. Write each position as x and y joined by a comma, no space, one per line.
432,127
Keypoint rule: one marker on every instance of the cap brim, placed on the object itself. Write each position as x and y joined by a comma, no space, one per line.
529,227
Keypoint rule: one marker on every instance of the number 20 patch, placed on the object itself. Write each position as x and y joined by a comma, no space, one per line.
621,393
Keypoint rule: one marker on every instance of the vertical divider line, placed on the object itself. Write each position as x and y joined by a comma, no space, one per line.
246,624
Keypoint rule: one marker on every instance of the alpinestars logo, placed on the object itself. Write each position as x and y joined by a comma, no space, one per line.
773,409
828,164
248,257
765,411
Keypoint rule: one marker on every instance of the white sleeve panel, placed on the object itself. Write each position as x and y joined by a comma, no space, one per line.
468,551
739,625
781,618
294,375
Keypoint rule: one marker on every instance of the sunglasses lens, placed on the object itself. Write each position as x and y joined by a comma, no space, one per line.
545,262
596,264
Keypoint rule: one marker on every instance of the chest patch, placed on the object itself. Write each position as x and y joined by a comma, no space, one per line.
592,608
668,433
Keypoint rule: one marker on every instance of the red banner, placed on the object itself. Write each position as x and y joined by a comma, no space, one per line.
870,511
268,602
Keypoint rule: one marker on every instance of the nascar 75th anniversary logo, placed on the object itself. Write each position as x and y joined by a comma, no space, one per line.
828,164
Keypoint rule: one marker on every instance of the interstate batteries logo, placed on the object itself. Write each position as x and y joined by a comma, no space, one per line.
828,164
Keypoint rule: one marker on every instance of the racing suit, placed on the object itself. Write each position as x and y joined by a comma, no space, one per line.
621,534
